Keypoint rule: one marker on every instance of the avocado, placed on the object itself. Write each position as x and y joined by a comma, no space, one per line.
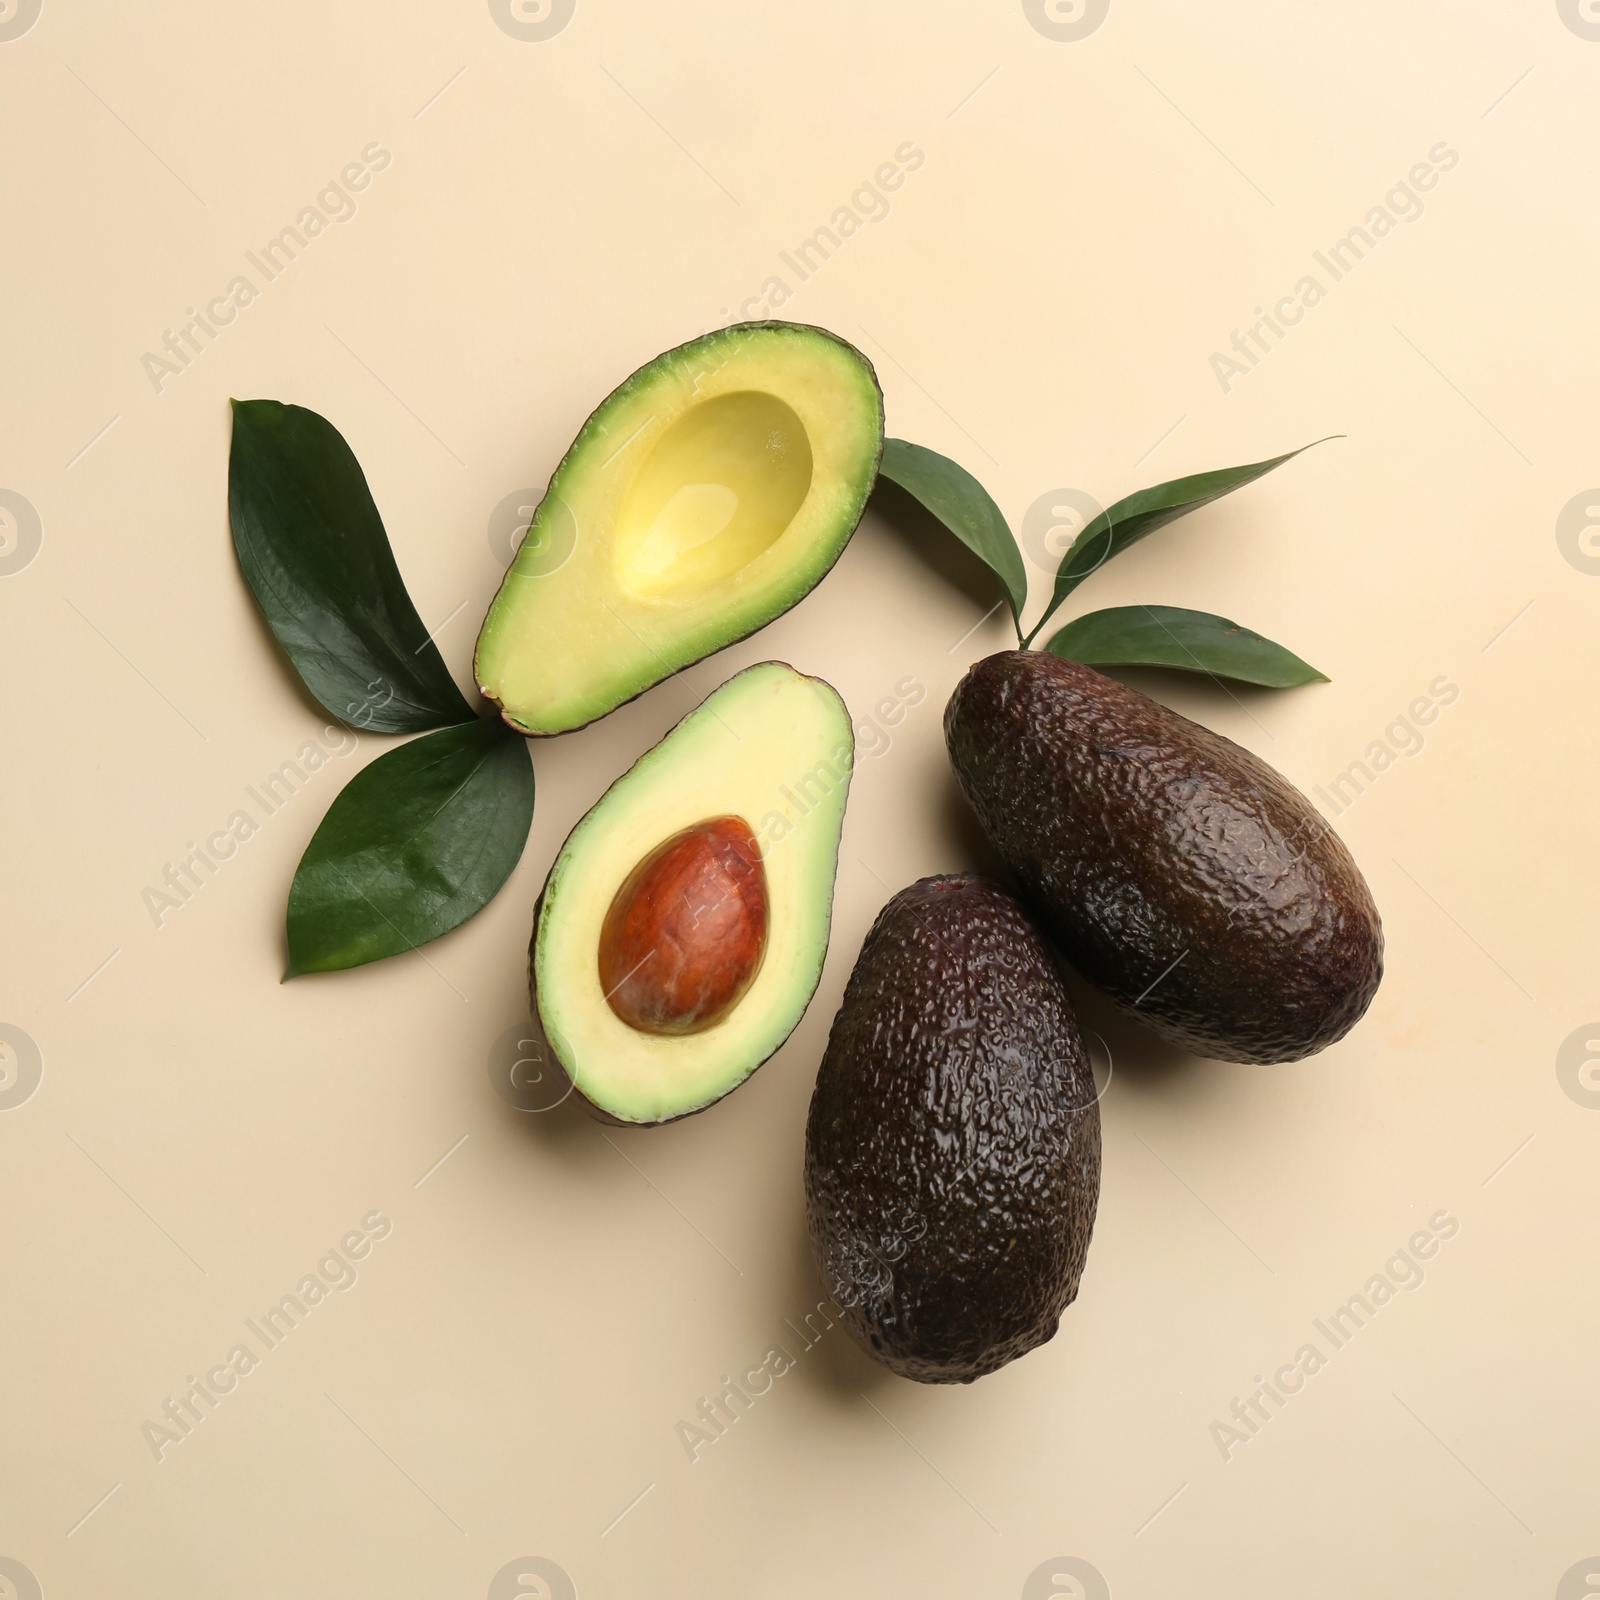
705,496
1176,871
681,932
953,1146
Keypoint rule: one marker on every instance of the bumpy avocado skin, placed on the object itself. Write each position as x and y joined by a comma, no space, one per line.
1176,871
953,1145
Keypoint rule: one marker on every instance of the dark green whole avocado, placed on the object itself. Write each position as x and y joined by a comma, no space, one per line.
953,1146
1176,871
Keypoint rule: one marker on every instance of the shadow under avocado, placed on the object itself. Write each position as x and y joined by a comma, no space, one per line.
541,1105
959,830
828,1362
566,1135
1141,1059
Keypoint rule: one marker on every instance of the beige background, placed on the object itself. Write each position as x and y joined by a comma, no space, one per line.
1093,220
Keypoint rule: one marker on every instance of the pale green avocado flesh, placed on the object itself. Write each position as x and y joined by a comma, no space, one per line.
707,495
771,747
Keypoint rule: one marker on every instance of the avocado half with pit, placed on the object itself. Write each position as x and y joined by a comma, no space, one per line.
707,495
681,932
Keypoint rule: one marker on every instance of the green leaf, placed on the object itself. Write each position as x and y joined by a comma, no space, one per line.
1169,636
313,550
964,506
416,843
1129,520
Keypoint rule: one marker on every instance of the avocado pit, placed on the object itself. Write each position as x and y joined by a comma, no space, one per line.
685,934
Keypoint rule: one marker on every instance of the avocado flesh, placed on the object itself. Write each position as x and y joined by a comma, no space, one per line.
953,1144
771,748
705,496
1176,871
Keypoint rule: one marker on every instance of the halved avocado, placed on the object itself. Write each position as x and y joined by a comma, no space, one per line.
708,494
681,932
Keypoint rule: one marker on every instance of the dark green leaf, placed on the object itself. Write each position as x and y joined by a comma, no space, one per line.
964,506
1129,520
1169,636
314,552
416,843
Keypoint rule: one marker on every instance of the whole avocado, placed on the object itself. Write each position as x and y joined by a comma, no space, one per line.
1176,871
953,1145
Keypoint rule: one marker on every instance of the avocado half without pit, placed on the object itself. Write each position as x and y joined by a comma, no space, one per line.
706,495
682,929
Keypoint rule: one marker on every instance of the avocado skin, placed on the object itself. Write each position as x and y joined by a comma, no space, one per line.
802,969
953,1144
1176,871
536,1029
